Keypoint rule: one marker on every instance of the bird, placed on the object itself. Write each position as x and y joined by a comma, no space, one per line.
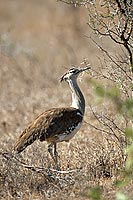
56,124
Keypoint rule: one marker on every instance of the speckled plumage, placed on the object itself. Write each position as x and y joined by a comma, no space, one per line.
50,126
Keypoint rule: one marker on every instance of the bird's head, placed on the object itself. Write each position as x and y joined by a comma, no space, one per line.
73,73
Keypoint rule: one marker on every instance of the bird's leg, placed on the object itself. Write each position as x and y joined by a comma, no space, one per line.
55,155
50,150
69,154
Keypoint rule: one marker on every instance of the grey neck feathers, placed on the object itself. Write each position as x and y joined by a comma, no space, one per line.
78,100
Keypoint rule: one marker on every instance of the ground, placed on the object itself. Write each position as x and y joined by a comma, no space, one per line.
39,40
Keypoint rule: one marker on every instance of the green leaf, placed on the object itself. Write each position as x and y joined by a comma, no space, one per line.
132,67
129,162
118,183
113,92
100,91
129,132
121,196
95,194
129,104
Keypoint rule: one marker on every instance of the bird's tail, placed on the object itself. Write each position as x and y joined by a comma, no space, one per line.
23,141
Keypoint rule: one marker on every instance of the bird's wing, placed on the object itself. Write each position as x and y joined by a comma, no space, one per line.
61,120
49,124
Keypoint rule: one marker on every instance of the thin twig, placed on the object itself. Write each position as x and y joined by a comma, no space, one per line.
8,155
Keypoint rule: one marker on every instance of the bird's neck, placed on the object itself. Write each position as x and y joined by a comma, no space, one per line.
78,100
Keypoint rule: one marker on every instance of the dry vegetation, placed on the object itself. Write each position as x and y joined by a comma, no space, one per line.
37,38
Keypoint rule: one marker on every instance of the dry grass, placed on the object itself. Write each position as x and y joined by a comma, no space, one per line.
37,38
84,165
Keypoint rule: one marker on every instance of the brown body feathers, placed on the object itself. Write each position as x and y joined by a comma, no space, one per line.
54,125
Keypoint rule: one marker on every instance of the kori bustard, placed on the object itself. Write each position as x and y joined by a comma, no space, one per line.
57,124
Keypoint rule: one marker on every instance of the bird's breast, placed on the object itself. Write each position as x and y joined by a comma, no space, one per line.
69,133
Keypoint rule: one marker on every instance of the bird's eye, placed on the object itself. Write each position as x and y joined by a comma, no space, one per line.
73,70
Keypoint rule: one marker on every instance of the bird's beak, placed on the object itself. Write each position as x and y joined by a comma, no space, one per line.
84,69
80,70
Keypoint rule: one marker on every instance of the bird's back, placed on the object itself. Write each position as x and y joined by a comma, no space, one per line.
53,125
